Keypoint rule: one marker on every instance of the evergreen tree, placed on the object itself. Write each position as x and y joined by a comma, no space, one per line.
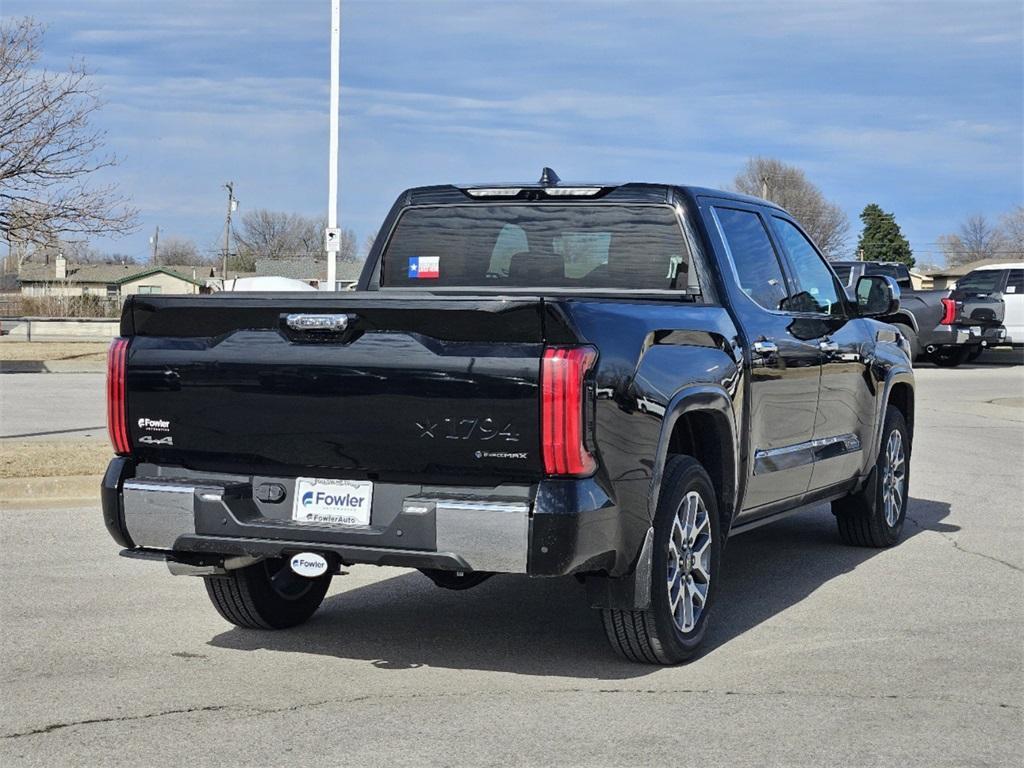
881,239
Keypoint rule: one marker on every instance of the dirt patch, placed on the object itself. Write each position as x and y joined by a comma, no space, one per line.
53,350
53,458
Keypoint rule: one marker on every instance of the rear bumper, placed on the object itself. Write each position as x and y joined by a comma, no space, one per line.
553,528
960,335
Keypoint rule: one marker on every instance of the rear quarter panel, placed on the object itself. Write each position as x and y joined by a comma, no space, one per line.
649,352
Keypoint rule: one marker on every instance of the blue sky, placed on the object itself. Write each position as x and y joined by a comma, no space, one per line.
914,105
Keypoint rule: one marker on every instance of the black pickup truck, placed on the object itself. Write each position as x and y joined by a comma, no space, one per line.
605,381
942,327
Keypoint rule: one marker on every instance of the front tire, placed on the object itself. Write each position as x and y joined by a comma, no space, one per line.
684,572
266,595
874,516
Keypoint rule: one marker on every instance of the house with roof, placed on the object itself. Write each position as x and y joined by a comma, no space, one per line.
112,281
312,270
946,278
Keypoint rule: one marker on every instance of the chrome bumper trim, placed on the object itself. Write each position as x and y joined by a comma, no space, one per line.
489,536
156,514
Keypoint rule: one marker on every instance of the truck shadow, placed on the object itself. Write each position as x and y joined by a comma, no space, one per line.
1000,357
544,626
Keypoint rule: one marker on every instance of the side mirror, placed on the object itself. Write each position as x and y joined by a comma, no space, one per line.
877,296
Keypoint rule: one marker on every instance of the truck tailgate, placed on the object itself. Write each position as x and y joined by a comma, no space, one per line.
413,388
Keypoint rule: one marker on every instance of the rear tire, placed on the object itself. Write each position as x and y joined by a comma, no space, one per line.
874,516
684,572
266,595
949,357
975,353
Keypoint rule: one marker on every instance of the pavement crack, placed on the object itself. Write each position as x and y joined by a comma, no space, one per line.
247,712
97,720
956,546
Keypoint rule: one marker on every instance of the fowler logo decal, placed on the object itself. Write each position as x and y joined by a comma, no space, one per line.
155,425
309,498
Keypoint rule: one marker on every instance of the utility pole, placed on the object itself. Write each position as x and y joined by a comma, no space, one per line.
155,241
232,205
764,188
332,237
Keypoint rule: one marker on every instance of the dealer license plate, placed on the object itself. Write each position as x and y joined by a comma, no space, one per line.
332,502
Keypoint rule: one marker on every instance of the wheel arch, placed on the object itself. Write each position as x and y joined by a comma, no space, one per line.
692,415
899,392
903,318
901,397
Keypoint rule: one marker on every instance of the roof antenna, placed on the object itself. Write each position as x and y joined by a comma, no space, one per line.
549,178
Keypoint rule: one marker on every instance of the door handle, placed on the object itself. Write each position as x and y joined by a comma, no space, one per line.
765,348
828,346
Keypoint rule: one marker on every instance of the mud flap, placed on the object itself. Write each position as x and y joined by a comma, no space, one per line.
631,592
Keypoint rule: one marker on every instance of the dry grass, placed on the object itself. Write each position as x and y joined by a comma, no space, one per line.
53,458
53,350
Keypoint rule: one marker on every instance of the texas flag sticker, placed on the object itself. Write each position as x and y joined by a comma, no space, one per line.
424,266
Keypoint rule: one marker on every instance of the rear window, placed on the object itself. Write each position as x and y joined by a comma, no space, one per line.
541,245
843,272
981,280
900,274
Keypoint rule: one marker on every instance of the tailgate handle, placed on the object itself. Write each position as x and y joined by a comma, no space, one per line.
315,323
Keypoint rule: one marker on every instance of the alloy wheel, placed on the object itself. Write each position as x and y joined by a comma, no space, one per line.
894,477
689,562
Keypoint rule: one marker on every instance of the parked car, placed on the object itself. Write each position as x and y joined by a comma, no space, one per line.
606,381
1001,285
940,327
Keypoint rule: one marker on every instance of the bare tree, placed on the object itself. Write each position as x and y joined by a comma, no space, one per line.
1011,229
48,149
349,247
977,239
80,252
179,251
787,185
368,245
265,234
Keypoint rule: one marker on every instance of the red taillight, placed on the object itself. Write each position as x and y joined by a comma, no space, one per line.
948,312
563,400
117,418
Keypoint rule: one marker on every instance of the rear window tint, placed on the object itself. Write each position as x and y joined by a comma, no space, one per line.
539,245
900,274
982,280
843,272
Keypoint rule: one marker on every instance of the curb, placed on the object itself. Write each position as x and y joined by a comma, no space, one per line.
53,366
21,491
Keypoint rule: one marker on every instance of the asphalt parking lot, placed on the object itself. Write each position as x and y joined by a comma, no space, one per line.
818,654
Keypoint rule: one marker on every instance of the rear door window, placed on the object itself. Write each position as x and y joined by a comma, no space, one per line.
1015,281
753,258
